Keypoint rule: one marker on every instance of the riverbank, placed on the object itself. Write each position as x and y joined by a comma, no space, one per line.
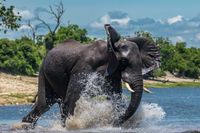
17,89
22,89
171,81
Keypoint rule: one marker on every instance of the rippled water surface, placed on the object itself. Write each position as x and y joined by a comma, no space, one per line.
166,110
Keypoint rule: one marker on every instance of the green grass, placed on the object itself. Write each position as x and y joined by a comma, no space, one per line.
169,85
18,95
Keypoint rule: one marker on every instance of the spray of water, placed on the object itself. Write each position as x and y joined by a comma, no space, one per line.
94,113
94,110
91,109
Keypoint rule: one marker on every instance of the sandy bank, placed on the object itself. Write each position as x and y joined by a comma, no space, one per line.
17,89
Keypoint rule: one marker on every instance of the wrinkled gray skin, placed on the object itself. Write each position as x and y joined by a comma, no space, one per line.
127,59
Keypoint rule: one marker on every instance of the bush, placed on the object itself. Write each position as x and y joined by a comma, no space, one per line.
21,56
72,31
175,58
179,59
158,73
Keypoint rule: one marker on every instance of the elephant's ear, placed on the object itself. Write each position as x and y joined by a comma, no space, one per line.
112,37
149,53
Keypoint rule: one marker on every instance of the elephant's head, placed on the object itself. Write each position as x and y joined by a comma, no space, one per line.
135,57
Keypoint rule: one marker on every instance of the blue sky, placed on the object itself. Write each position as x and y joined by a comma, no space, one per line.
84,11
177,19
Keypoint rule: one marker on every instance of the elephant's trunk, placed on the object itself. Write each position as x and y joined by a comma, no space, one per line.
136,96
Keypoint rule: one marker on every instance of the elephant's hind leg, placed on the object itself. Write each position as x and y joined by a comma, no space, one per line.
44,102
34,115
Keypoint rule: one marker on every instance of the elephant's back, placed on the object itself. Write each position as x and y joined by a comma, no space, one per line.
66,54
67,48
67,45
62,57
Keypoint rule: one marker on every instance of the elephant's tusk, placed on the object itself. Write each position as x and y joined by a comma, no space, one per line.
147,90
128,87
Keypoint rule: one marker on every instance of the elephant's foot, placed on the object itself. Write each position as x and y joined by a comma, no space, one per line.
22,125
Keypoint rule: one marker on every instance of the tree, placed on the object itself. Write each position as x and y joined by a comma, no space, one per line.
33,30
21,56
144,34
72,31
156,72
8,19
56,12
177,59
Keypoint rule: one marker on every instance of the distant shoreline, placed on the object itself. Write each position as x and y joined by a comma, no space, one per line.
171,85
16,90
171,81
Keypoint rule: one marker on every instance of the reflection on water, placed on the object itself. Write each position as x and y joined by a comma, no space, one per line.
166,110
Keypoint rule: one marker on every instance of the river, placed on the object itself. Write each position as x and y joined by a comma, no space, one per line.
166,110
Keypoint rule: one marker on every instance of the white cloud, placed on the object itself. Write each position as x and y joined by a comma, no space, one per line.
103,20
24,27
198,36
122,22
175,19
107,19
161,21
26,14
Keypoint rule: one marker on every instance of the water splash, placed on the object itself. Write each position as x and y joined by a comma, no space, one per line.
147,115
90,114
94,111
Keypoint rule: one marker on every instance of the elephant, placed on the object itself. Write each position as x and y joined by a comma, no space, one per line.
118,59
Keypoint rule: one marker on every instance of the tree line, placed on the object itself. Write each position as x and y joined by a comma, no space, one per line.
24,55
176,58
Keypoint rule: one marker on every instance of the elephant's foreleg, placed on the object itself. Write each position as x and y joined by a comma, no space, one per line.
72,95
68,106
63,113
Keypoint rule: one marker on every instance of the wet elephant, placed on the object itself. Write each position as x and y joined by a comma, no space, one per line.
117,59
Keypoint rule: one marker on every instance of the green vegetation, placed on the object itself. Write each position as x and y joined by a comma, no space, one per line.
177,59
158,73
170,85
24,56
8,19
72,31
21,56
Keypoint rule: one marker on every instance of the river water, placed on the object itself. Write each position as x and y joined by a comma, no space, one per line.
166,110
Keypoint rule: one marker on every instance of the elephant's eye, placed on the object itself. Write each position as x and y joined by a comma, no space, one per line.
124,48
